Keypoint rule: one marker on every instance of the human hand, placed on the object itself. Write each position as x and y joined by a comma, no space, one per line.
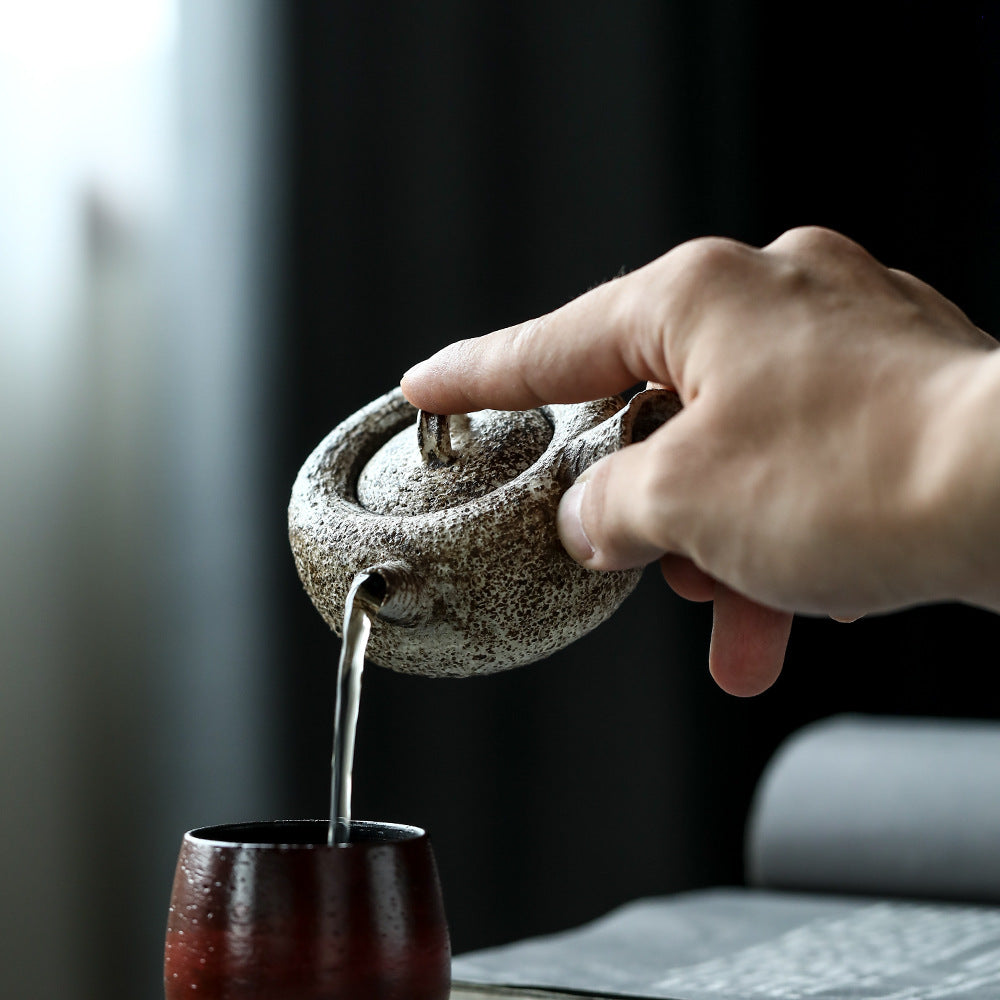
837,451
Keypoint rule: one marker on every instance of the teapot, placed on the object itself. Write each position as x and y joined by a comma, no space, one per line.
453,521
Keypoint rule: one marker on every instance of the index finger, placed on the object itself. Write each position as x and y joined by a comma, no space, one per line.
597,344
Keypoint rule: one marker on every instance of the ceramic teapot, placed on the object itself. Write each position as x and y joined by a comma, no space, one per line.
454,520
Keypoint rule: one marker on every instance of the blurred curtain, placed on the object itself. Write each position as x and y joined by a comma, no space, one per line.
137,166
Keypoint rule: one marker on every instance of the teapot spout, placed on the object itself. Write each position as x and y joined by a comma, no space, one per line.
396,594
644,413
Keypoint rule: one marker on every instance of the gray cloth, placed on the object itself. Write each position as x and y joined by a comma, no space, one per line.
892,807
741,944
865,806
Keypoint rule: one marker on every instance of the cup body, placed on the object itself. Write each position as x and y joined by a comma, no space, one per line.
270,910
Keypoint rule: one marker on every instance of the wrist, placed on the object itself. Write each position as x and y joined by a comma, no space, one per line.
957,482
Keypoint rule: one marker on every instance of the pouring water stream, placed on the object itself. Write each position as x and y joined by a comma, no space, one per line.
358,609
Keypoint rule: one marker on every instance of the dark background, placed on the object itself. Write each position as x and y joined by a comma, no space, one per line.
456,167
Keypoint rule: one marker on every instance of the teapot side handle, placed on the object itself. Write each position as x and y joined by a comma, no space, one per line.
645,412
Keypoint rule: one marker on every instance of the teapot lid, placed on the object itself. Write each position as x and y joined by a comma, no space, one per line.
444,461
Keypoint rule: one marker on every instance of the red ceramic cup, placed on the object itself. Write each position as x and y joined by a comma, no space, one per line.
270,911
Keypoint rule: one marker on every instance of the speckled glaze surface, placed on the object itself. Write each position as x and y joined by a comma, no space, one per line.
458,518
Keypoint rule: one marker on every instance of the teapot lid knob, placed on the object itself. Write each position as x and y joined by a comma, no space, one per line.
434,439
449,460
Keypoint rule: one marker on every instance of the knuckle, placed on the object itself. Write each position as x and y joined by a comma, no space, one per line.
708,257
815,241
627,305
527,358
527,345
525,337
697,272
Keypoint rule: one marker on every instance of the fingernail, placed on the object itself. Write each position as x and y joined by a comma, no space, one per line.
570,524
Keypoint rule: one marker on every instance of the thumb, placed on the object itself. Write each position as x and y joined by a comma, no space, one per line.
608,518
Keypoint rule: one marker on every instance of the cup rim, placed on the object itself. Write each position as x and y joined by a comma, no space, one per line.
377,833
